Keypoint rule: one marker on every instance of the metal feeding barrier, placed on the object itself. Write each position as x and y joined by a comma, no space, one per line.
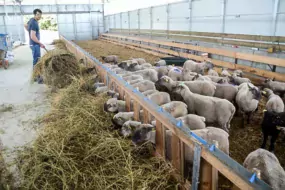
208,159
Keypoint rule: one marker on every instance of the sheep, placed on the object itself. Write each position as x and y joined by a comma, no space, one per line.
277,87
113,94
175,108
238,80
161,71
175,74
206,88
194,66
212,108
146,133
187,75
212,72
160,98
114,105
132,82
226,91
133,77
99,84
129,127
110,59
220,80
271,126
147,74
271,172
247,99
225,72
274,102
238,73
201,78
125,64
102,89
144,85
190,121
160,63
139,60
149,92
120,118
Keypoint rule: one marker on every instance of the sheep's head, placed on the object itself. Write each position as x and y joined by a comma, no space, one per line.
177,92
124,64
142,134
120,118
132,67
223,81
255,92
111,105
128,128
164,84
276,119
267,92
160,63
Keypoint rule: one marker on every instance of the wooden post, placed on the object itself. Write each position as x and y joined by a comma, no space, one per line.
177,161
121,93
128,103
205,176
136,111
145,116
160,139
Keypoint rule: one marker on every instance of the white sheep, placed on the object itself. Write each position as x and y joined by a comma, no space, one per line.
175,74
215,110
238,80
277,87
194,66
220,80
226,91
212,72
120,118
206,88
187,75
162,71
133,77
160,98
144,85
202,78
160,63
102,89
149,92
265,162
110,59
225,73
274,102
114,105
129,127
139,60
147,74
238,73
247,99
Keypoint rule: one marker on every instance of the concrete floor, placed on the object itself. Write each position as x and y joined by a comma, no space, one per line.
21,103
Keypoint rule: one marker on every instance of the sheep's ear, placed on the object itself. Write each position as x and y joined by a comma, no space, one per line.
264,110
273,79
264,92
249,86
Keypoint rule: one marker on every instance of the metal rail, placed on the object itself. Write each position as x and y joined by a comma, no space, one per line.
211,157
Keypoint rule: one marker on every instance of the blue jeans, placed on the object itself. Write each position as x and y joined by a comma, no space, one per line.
36,51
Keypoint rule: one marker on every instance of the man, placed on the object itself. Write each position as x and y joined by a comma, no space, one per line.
34,34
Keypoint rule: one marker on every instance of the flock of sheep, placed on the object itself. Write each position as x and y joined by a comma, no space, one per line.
204,103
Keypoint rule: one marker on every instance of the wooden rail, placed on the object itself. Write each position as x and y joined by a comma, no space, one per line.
212,160
256,41
135,42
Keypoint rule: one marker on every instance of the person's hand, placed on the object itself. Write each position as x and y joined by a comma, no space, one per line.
42,45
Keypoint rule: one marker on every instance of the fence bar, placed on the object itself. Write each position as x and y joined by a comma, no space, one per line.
128,102
136,111
160,139
196,166
177,161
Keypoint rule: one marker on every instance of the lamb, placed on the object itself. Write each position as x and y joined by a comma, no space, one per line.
162,71
212,108
238,73
114,105
212,72
175,74
99,84
160,98
133,77
131,82
149,92
110,59
102,89
160,63
146,132
226,91
125,64
274,102
202,78
187,75
144,85
147,74
194,66
238,80
120,118
175,108
271,171
272,125
277,87
139,60
247,99
206,88
225,72
129,127
220,80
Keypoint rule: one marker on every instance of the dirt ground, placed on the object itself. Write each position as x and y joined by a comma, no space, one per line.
101,48
21,104
242,140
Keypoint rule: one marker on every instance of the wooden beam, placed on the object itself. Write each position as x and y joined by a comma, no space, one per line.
160,139
251,70
205,176
128,102
136,111
145,116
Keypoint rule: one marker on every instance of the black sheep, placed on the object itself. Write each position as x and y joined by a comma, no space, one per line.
271,126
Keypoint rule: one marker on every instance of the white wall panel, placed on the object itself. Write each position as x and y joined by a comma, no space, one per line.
179,16
125,20
134,20
145,18
159,17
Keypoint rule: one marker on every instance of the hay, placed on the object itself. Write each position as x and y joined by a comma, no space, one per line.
59,44
57,67
76,150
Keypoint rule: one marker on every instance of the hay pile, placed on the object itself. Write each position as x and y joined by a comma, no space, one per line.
76,150
59,44
57,67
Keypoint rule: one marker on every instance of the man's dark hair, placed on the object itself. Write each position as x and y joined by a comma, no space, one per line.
37,11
